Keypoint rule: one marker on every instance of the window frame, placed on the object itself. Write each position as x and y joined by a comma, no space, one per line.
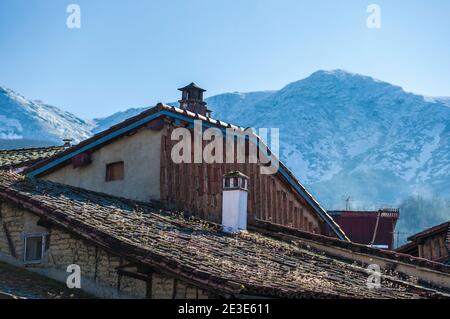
27,236
107,171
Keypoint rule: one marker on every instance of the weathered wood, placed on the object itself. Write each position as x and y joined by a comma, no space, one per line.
197,188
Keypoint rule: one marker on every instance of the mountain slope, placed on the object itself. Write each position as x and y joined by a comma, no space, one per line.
229,103
36,122
444,100
347,134
104,123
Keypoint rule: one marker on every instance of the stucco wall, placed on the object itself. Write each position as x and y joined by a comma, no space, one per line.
99,275
141,156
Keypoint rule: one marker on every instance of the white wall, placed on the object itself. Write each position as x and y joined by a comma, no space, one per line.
234,210
141,154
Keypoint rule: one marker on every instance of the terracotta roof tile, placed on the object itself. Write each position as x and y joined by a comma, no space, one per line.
26,157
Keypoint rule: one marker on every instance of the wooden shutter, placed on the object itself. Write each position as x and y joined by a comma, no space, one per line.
115,171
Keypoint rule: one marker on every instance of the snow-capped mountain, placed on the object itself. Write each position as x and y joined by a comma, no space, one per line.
104,123
342,134
445,100
36,122
345,134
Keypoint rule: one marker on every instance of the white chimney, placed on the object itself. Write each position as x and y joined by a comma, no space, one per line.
234,202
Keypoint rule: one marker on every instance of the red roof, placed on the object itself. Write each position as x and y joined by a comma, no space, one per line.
368,227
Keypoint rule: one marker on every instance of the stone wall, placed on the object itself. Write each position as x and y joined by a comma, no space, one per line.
99,275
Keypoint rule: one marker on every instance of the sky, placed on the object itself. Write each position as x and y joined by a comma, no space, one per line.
136,53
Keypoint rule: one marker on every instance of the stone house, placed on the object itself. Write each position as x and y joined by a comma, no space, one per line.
131,249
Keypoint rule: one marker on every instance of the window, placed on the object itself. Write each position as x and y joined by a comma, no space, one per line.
114,171
34,248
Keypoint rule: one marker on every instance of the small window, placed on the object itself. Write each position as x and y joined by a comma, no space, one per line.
114,171
34,248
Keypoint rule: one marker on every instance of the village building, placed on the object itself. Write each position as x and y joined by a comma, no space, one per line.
139,225
131,249
19,159
432,243
133,160
372,228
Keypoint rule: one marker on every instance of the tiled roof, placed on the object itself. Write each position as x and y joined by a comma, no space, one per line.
249,264
10,159
431,231
118,130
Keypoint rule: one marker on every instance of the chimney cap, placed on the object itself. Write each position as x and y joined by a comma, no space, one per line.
192,86
235,174
235,181
67,142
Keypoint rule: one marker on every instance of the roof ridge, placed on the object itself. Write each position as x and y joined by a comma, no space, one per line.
30,148
429,230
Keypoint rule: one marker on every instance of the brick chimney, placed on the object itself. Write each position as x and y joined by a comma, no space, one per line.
192,99
234,202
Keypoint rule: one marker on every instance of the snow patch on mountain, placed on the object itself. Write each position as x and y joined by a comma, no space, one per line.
36,121
342,134
348,134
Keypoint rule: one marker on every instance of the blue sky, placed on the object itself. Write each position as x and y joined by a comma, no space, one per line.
136,53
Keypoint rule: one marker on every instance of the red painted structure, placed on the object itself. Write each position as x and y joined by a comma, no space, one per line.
372,228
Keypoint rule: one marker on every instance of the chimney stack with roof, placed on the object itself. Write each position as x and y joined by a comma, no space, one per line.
192,99
234,202
67,142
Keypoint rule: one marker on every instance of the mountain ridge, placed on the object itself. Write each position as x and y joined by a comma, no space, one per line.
22,119
342,134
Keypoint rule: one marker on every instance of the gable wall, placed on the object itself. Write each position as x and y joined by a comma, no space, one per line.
197,188
151,174
99,274
141,155
434,247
